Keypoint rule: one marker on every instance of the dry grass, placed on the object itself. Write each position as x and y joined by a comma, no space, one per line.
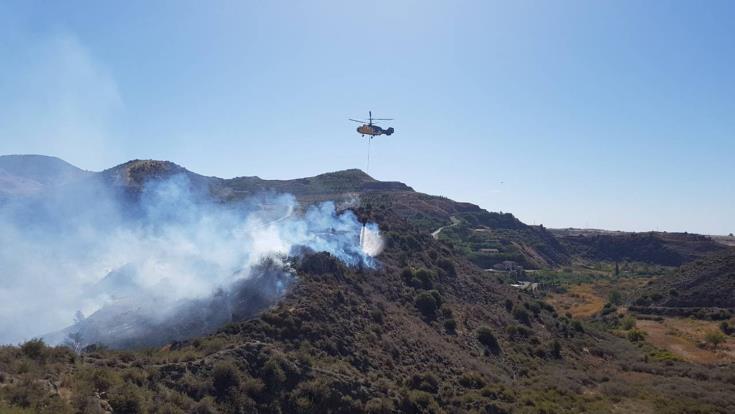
681,337
587,299
581,301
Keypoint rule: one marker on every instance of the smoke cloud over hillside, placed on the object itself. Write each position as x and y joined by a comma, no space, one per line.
161,256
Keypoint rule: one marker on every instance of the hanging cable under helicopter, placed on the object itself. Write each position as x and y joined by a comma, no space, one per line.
371,130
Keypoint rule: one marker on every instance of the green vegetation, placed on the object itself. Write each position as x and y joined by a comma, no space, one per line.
450,325
714,338
628,322
615,298
487,338
428,302
636,335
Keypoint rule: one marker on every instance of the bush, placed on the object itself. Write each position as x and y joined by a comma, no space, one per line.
34,349
521,315
416,401
555,349
577,326
425,277
608,309
380,406
486,337
424,382
448,267
628,323
407,275
225,377
472,380
428,302
205,406
714,338
103,379
450,325
518,331
127,400
636,335
273,373
615,298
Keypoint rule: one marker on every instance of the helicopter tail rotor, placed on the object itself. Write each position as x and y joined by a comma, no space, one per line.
389,131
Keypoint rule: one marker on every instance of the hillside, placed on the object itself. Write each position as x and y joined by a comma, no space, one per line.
425,330
704,283
323,186
667,249
486,238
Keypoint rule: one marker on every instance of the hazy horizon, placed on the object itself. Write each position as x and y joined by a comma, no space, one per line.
614,114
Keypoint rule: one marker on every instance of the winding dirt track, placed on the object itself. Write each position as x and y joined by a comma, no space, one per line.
435,233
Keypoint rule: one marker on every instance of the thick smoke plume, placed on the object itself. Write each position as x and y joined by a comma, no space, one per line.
169,259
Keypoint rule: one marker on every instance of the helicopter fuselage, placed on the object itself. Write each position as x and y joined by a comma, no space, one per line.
373,130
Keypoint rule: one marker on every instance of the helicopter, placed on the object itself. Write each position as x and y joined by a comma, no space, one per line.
370,129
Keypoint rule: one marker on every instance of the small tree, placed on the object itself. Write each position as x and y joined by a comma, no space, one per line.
486,337
714,338
615,298
635,335
427,303
34,349
224,378
450,325
726,328
425,277
628,322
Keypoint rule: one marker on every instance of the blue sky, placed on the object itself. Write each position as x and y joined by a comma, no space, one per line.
608,114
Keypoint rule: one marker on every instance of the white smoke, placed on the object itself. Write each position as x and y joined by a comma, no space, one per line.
83,248
370,240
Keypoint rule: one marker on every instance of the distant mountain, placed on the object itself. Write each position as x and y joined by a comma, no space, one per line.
667,249
30,174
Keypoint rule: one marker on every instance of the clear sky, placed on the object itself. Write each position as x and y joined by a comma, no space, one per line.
607,114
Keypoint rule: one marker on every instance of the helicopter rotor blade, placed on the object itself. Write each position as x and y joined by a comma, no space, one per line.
356,120
382,119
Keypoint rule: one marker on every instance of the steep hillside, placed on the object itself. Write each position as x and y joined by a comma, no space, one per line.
705,283
487,238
